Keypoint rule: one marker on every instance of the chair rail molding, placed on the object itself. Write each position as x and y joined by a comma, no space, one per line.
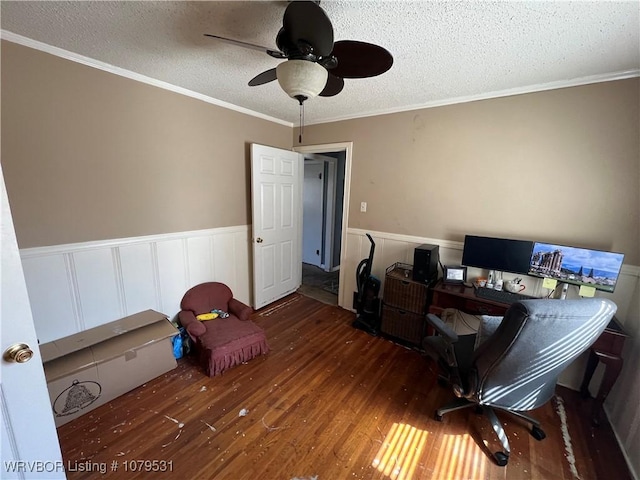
393,247
77,286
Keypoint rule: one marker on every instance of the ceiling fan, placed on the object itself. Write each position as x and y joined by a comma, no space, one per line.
315,64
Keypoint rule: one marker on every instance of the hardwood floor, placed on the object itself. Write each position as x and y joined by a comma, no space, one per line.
329,402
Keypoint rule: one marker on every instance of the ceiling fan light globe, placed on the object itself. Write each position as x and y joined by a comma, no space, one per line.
301,78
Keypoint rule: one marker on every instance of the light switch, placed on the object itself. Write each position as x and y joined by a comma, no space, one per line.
363,206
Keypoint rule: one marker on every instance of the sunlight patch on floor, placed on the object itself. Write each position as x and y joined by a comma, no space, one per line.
459,457
400,452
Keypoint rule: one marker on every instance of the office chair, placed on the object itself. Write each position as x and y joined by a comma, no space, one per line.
513,362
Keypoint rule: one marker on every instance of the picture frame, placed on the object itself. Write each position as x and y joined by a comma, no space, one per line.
454,274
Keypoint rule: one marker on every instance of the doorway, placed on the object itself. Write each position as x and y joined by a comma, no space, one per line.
323,203
271,264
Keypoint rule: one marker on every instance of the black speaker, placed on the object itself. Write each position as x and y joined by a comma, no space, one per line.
425,263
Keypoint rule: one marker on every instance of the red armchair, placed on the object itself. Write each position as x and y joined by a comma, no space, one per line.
221,343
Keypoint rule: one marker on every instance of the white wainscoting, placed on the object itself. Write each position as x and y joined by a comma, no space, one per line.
392,248
77,286
622,404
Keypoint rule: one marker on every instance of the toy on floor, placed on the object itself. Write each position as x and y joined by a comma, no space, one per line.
215,313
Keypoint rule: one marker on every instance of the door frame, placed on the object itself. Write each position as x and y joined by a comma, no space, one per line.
346,147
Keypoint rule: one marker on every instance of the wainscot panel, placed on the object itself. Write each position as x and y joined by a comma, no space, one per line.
77,286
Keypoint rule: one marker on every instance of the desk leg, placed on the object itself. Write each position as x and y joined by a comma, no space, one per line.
592,363
613,365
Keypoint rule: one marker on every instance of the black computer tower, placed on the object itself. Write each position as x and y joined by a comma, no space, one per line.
425,263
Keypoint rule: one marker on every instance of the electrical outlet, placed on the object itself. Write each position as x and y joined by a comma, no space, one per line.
363,206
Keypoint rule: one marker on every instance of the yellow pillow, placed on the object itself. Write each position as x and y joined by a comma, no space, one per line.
207,316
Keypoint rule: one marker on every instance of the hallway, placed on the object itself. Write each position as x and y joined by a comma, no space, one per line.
318,284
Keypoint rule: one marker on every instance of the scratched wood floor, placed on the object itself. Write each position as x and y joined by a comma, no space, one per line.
329,402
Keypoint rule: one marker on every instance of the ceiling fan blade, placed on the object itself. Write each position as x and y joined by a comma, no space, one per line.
360,59
284,43
305,21
264,77
273,53
333,87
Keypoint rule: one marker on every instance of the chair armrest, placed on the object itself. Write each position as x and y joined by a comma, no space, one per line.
239,309
441,346
189,321
442,328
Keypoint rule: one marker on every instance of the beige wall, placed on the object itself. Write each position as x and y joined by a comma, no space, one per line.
89,155
561,166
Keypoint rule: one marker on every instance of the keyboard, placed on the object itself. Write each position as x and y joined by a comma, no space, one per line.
500,295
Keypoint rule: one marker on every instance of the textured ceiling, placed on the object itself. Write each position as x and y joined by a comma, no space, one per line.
443,51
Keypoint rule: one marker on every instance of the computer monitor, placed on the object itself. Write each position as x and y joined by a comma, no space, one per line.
576,266
502,254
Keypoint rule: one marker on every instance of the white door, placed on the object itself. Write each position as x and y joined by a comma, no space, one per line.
313,200
30,447
276,189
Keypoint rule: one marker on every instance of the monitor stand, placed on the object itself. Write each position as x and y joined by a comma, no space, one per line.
563,291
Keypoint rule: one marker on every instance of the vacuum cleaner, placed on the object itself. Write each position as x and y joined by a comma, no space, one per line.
365,300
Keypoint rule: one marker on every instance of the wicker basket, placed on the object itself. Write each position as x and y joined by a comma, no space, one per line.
400,291
403,325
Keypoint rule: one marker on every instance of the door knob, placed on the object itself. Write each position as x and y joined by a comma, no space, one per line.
20,353
259,240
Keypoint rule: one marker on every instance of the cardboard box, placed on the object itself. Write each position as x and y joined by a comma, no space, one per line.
92,367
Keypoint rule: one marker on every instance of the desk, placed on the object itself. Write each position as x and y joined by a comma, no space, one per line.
606,349
463,298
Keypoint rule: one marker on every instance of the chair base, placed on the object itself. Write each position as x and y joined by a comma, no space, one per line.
500,457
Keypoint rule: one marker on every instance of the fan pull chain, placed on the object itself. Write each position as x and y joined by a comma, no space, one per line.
301,122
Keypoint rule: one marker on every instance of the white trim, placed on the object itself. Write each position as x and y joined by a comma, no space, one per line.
118,242
621,444
408,238
74,57
630,270
90,62
346,147
541,87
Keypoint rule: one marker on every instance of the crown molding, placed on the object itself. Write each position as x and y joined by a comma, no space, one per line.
541,87
90,62
74,57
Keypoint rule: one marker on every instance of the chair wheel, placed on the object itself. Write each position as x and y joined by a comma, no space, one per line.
501,458
437,417
537,433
